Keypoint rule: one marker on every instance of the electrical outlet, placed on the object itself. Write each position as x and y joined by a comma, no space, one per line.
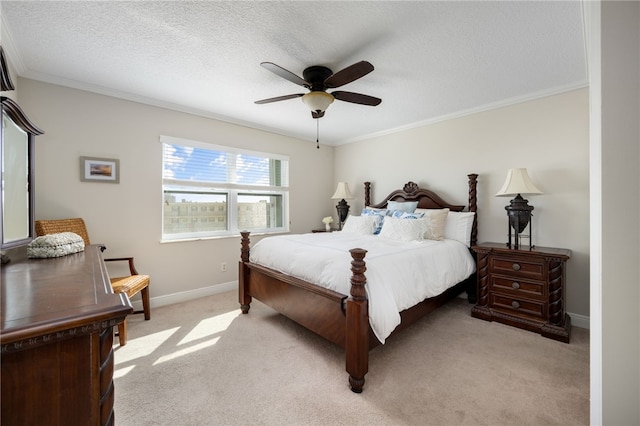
223,267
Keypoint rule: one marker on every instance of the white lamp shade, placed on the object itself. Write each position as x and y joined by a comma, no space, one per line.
518,182
342,192
318,101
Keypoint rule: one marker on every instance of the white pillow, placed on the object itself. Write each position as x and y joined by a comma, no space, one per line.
437,221
403,230
459,226
363,225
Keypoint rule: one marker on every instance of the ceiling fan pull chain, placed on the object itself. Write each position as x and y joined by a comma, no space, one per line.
317,133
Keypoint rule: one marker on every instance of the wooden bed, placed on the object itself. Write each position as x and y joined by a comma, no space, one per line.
339,318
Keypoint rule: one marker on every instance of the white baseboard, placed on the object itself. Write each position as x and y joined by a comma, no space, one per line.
577,320
581,321
185,296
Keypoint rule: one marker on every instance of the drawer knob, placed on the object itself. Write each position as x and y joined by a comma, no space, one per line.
515,285
516,266
515,304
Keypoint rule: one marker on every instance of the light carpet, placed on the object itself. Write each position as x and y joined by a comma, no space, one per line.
204,363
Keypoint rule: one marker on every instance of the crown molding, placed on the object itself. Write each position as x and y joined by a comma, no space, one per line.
475,110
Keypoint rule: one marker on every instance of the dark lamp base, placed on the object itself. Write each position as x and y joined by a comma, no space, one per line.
519,217
343,211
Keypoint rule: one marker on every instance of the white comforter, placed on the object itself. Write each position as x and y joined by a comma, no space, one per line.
399,274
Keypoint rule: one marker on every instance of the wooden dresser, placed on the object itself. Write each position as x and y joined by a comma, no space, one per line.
56,340
523,288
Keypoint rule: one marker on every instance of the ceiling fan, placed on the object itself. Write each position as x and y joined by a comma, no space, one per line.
318,79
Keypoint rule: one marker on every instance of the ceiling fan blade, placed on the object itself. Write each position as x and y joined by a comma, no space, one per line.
349,74
315,114
356,98
279,98
286,74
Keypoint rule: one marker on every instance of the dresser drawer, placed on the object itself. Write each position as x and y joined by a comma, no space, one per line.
531,267
514,305
518,287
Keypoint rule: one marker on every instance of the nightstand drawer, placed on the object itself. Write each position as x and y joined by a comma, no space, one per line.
518,287
521,306
531,267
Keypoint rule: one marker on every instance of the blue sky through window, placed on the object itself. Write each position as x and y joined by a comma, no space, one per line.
194,164
205,165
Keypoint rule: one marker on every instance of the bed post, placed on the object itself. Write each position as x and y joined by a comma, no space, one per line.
243,297
367,194
473,206
472,284
357,323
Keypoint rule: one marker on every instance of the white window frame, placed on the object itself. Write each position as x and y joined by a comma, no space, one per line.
232,191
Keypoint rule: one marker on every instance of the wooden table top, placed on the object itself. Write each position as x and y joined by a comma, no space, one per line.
57,294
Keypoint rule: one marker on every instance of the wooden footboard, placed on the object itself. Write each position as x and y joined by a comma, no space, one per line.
341,319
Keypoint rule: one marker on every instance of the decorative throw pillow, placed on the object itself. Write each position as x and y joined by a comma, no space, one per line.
363,225
55,245
378,214
403,206
403,230
404,215
437,221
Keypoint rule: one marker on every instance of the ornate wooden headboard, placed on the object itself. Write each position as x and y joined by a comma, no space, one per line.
428,200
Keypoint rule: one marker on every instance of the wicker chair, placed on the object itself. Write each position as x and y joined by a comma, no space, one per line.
130,285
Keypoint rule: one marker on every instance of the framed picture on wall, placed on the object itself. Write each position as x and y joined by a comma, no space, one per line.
99,170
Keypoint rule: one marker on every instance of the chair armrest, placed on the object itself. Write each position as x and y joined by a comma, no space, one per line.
132,268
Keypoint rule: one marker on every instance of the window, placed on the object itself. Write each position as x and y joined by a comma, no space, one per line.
212,190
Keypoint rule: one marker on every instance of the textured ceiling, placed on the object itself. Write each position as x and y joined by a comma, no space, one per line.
432,59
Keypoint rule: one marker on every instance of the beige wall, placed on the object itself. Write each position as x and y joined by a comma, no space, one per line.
548,136
127,217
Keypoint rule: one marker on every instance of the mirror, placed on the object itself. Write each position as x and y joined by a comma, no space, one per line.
17,161
15,182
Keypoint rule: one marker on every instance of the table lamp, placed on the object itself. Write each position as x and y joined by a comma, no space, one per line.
519,210
342,193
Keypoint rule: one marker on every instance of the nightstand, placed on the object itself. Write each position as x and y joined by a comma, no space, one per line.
324,230
523,288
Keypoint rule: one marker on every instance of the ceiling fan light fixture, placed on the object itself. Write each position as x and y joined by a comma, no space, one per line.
318,101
